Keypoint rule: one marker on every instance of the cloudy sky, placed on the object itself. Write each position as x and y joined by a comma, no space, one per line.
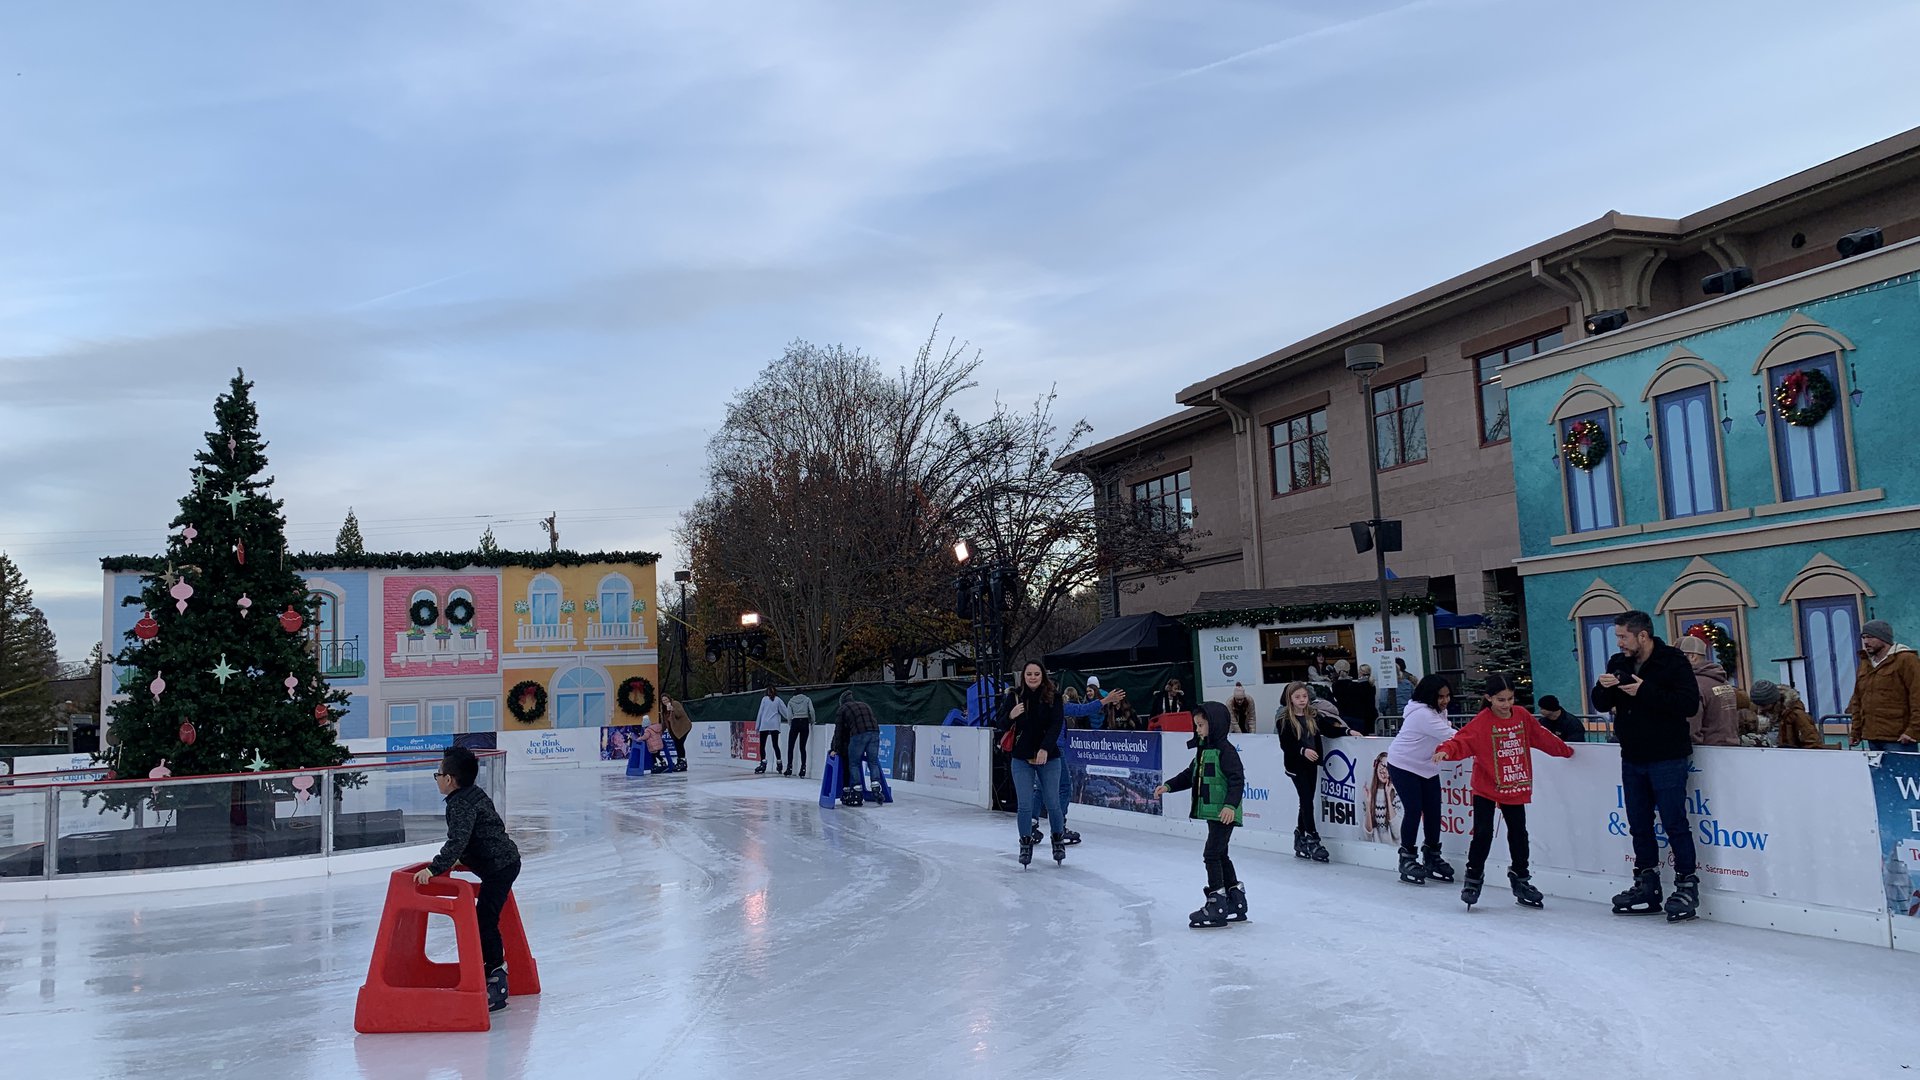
490,259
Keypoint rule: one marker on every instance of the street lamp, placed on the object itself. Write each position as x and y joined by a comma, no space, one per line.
749,619
681,577
1377,533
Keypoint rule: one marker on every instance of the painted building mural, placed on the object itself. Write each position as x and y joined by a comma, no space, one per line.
430,656
1738,470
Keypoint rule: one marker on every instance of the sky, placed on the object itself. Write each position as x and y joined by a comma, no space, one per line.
490,259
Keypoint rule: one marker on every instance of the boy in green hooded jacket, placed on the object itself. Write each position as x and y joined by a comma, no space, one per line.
1217,780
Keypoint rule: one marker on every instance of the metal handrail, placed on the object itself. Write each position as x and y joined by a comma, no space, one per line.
7,784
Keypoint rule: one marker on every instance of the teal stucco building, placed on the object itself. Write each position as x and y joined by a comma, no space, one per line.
1746,465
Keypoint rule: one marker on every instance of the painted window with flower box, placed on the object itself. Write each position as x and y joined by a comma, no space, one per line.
613,613
540,615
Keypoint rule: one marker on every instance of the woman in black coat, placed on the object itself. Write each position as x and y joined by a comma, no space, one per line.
1033,714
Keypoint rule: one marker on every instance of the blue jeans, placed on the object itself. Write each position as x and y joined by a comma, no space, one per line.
1894,746
1043,780
865,746
1660,786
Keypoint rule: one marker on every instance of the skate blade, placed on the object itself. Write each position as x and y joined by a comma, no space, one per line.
1637,911
1528,903
1688,917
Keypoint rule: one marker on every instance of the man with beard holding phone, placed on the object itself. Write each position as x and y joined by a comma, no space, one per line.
1650,687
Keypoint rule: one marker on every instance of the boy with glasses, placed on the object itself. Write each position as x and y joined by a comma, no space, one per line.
477,837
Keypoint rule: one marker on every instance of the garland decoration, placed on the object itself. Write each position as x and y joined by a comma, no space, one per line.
1586,445
460,611
1811,386
424,613
527,701
412,560
635,696
1717,639
1307,613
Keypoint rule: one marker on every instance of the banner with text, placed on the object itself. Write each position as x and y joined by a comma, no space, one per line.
948,758
1117,770
896,751
1896,793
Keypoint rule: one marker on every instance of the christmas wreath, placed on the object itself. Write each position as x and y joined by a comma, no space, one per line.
460,612
1585,446
1717,638
424,613
527,701
635,696
1812,387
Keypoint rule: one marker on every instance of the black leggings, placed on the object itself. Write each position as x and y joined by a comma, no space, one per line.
774,736
494,888
1516,816
1420,806
799,732
1303,785
679,748
1220,872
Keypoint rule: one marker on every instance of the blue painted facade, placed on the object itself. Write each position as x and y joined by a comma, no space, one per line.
1786,537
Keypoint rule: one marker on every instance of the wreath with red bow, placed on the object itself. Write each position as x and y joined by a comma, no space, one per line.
1717,639
1586,445
527,701
635,696
1804,398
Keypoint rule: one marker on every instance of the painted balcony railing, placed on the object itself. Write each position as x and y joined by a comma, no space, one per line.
544,634
616,633
339,658
431,649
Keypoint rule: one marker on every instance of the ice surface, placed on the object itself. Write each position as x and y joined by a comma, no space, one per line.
728,927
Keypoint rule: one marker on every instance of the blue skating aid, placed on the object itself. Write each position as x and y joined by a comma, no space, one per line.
830,782
637,759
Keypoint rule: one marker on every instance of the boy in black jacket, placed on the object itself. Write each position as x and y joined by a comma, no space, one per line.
1651,689
477,837
1217,780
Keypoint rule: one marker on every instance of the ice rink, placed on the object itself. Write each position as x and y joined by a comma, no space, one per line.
729,927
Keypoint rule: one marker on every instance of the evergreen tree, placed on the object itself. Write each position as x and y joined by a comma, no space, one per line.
28,661
488,545
1502,649
349,545
210,691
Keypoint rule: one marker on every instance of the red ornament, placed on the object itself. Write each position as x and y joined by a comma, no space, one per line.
188,736
291,621
146,629
240,552
322,714
111,775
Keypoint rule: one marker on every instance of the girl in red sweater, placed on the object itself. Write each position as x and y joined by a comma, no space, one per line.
1501,740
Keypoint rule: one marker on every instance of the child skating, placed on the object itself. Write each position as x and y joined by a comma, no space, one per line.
1501,741
1217,781
477,837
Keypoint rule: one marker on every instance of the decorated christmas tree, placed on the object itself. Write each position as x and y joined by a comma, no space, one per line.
224,680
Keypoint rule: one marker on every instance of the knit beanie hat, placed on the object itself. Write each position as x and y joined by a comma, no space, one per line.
1764,692
1692,646
1342,666
1878,628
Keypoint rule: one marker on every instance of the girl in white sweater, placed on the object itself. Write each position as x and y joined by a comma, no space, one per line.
1416,777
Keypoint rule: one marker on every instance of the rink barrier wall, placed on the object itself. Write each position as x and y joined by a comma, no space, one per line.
950,763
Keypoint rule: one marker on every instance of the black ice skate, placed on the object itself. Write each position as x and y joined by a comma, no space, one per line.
1026,851
1236,902
1411,871
1038,836
1216,912
497,989
803,774
1302,848
1320,852
1643,898
789,771
1470,891
762,768
1436,867
1684,904
1072,837
1059,850
1524,893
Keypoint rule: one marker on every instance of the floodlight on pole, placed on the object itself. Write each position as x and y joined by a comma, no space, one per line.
962,551
750,619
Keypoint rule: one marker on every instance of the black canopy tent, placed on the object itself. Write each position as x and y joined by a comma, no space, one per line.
1129,640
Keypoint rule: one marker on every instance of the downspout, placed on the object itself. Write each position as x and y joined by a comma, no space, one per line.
1243,425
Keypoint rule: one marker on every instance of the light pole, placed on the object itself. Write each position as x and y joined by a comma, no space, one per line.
681,577
982,594
1376,533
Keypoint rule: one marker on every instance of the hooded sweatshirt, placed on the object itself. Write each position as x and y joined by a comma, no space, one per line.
1717,721
1216,777
1886,697
1502,753
773,712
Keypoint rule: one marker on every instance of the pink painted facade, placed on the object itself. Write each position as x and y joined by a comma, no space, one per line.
406,655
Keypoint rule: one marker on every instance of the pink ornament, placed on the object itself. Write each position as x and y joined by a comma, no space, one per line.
181,592
230,445
146,629
160,771
190,533
158,686
240,552
292,684
300,786
246,605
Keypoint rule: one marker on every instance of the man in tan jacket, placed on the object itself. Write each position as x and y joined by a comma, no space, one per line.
1886,692
1717,721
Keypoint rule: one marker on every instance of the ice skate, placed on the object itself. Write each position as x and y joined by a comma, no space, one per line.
1411,871
1237,902
761,768
1026,851
1301,848
1059,850
1319,850
1038,836
1436,867
1643,898
1684,904
1216,912
1072,837
497,989
789,771
803,774
1470,891
1524,893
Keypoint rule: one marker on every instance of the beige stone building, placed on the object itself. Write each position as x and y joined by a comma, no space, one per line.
1269,458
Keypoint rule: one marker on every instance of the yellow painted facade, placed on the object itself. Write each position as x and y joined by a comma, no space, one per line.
579,632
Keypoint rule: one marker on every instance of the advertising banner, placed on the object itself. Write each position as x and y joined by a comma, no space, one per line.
948,758
746,741
1117,770
414,744
710,744
896,751
617,742
1896,794
558,746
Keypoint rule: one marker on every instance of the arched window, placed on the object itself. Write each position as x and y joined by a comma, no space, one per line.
579,698
429,596
1817,459
1703,594
1827,601
461,594
1592,618
1592,494
325,627
543,597
616,598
